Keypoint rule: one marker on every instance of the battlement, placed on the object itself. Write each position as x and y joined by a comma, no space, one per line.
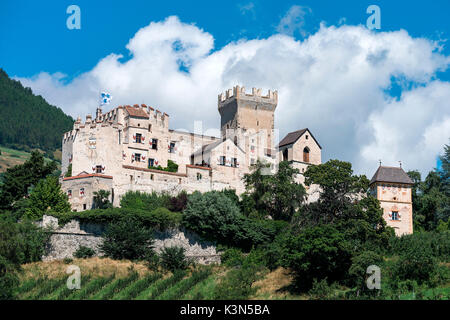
238,93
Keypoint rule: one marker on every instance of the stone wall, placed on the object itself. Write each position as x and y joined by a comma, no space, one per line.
66,240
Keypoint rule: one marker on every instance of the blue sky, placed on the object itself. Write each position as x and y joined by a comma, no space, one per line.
385,92
35,38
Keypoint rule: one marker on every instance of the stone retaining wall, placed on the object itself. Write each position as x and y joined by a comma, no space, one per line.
66,240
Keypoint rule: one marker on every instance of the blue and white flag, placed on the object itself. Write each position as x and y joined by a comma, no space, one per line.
105,98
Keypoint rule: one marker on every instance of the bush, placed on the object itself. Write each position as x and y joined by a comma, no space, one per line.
415,265
157,219
174,258
8,279
238,283
127,239
316,253
232,257
22,242
212,215
358,270
84,252
178,203
144,201
321,290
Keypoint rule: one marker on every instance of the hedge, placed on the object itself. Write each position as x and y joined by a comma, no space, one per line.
160,218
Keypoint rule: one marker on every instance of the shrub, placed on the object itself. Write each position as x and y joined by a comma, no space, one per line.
321,290
358,269
174,258
178,203
415,264
238,284
144,201
8,279
316,253
84,252
127,239
157,219
67,260
232,257
212,215
22,242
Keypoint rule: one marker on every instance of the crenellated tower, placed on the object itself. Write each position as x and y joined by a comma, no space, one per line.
246,117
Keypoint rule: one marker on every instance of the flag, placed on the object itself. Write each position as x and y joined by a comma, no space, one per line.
105,98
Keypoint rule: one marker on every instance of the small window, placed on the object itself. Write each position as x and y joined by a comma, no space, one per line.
222,160
98,169
149,128
151,162
151,176
139,124
285,154
137,157
172,147
252,161
120,136
154,144
306,137
69,193
138,138
81,192
179,180
394,215
84,206
199,176
234,162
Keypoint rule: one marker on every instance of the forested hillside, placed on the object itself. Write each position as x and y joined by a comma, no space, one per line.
27,119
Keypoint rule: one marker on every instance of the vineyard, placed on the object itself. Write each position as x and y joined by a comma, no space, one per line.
192,284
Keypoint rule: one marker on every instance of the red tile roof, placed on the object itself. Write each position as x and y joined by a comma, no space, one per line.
137,112
81,176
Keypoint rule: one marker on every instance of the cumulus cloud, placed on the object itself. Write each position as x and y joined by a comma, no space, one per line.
336,82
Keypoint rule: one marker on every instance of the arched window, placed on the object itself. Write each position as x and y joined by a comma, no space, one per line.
285,154
306,154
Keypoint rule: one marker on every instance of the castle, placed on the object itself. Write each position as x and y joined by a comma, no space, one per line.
126,148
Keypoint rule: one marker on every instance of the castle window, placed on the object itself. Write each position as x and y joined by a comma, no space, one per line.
149,128
199,176
285,154
179,180
172,147
84,206
154,144
222,160
69,193
98,169
306,154
234,162
137,157
138,138
151,162
252,161
120,136
306,137
394,215
81,192
151,176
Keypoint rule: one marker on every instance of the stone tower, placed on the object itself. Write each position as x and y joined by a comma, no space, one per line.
392,187
248,117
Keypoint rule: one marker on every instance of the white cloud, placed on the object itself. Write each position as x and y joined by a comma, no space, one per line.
294,20
333,82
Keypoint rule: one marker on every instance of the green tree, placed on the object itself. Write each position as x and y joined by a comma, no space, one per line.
277,195
319,252
127,238
18,179
101,199
47,196
69,171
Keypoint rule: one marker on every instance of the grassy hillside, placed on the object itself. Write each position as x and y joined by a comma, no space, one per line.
27,119
11,157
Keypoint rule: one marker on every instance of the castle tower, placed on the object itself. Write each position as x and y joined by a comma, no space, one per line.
243,115
392,187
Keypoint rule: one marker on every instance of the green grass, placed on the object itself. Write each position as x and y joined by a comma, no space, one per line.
434,293
203,290
164,285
